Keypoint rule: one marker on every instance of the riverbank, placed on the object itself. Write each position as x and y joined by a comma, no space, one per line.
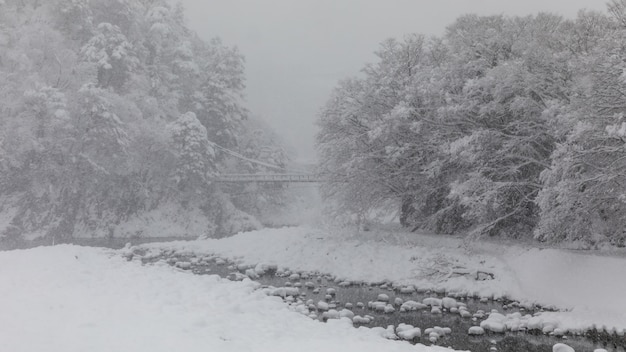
587,288
69,298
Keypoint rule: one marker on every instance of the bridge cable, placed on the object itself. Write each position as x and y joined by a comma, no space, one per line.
254,161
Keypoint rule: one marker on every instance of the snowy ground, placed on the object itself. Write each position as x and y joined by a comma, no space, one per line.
588,288
70,298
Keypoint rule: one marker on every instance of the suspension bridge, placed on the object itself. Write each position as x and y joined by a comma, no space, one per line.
281,174
267,178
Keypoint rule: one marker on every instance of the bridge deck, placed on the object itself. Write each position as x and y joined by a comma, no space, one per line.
243,178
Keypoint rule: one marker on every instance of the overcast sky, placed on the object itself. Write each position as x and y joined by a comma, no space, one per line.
297,50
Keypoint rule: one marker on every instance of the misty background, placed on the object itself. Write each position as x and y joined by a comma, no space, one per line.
296,51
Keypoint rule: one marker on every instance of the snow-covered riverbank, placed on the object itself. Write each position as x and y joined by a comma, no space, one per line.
71,298
587,288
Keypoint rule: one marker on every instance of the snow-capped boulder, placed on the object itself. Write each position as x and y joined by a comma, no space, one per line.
383,297
448,302
408,332
346,313
389,309
412,305
331,314
407,289
561,347
361,320
465,314
476,330
494,324
252,274
260,269
183,265
285,291
387,333
321,305
432,301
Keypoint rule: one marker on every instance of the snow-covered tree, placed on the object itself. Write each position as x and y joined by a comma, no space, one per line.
458,131
583,196
89,88
113,54
195,152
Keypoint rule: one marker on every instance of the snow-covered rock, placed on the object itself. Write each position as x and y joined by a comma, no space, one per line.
183,265
331,314
432,301
383,297
361,320
407,289
261,269
561,347
412,305
346,313
285,291
476,330
448,302
389,309
252,274
321,305
494,323
408,332
388,333
465,314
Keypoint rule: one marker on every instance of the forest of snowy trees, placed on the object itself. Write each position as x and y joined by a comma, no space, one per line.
115,112
111,110
509,126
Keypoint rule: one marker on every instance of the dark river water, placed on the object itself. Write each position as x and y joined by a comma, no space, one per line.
353,293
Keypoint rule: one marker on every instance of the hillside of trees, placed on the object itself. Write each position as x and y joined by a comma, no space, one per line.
503,126
110,112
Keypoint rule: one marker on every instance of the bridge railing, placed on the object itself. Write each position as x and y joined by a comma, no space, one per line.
242,178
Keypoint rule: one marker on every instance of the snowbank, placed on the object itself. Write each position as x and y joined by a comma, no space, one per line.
588,288
70,298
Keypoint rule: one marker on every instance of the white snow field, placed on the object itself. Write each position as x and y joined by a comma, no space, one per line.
589,289
70,298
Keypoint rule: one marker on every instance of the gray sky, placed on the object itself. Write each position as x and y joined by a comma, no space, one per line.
297,50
